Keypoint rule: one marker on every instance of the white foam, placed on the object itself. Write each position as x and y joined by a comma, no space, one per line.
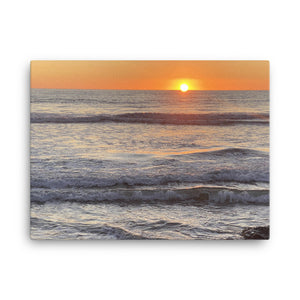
216,195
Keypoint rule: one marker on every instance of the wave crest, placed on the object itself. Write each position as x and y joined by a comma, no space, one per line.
184,196
220,119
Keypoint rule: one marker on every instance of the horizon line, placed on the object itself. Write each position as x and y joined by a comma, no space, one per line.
149,89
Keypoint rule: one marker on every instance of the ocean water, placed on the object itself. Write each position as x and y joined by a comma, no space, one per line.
122,164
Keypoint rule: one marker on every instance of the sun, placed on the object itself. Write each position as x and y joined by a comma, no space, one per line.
184,87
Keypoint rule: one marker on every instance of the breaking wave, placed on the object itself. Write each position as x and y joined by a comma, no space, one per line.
213,177
185,196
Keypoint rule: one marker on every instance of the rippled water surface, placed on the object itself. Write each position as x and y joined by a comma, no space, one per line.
148,164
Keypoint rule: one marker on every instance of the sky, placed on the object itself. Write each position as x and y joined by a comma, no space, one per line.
150,75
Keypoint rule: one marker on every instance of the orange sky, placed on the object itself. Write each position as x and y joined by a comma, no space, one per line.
151,75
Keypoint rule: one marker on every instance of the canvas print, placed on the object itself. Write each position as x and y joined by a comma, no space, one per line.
171,150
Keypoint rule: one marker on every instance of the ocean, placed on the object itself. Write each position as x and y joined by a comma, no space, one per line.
141,164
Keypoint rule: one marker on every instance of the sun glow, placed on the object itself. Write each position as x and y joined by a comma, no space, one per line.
184,87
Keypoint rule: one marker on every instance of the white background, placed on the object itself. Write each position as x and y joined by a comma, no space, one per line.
149,30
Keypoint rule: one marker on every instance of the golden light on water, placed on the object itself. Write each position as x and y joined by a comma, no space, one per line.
184,87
